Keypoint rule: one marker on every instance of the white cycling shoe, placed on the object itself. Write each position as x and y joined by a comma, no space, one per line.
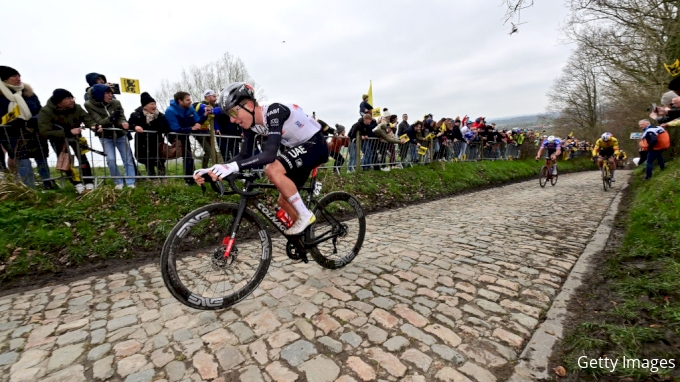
300,225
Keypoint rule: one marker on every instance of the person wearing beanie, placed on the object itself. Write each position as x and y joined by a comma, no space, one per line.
94,79
59,121
112,130
364,106
19,108
150,127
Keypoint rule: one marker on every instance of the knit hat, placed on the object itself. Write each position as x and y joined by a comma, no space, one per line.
7,72
386,113
146,99
667,98
339,128
58,95
364,96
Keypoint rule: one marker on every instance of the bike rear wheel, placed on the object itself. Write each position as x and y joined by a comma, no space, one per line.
543,177
337,213
193,265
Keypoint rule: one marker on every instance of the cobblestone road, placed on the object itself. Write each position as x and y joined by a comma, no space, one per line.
443,291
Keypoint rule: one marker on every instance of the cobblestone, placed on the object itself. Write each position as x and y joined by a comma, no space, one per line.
423,304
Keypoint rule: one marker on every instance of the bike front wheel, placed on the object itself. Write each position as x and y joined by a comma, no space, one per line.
553,179
543,177
341,221
193,263
605,175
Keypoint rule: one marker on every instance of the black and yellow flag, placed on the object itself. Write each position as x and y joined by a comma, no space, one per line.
674,68
129,85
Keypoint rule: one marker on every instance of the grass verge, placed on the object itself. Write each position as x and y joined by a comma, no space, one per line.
48,232
631,305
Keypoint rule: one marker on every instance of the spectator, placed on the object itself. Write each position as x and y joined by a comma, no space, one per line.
208,108
225,131
109,116
60,122
150,127
336,144
403,125
382,131
20,136
183,120
449,139
655,150
363,126
94,79
415,140
365,107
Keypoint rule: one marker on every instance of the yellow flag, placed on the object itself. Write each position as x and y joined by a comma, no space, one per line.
422,150
405,136
370,95
375,111
129,85
11,116
674,68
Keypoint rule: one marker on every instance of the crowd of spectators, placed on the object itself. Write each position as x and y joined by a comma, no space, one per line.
389,141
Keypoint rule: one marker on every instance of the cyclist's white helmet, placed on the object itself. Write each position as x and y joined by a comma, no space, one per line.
551,139
606,136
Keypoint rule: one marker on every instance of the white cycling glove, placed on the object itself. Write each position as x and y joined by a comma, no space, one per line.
221,170
224,170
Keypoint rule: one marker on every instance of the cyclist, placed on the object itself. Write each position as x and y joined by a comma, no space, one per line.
285,124
606,147
621,159
554,147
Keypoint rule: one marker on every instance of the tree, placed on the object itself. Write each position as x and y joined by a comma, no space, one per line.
577,95
215,75
514,8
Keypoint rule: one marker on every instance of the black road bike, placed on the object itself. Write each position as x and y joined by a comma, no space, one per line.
218,254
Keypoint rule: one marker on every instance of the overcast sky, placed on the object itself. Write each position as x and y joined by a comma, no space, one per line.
449,57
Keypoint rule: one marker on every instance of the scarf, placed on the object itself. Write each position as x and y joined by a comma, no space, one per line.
150,116
15,97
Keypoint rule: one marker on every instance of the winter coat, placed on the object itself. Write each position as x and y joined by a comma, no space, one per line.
55,123
146,143
108,115
23,134
380,131
181,119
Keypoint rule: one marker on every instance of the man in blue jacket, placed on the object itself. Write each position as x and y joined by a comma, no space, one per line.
183,120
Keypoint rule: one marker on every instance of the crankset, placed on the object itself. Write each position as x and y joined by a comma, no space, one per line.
296,251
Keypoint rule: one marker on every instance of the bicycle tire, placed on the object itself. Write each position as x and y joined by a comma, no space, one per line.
319,210
172,276
543,176
604,177
553,180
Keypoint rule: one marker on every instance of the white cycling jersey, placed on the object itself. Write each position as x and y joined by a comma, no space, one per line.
290,120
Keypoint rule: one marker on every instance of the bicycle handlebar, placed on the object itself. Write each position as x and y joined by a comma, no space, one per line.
219,188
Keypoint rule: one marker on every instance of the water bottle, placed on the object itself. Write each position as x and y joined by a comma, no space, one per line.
283,217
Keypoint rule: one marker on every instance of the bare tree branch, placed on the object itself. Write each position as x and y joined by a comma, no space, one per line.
215,75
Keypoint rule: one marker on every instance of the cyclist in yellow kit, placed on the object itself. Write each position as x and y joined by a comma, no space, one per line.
606,148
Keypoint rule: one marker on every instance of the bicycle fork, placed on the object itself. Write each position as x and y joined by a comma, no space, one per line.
228,241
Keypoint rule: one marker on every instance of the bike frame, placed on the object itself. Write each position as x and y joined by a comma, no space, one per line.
243,204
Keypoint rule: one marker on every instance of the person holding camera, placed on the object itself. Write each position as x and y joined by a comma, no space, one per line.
96,79
112,130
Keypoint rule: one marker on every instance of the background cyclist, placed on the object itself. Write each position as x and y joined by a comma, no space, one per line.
606,147
554,147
